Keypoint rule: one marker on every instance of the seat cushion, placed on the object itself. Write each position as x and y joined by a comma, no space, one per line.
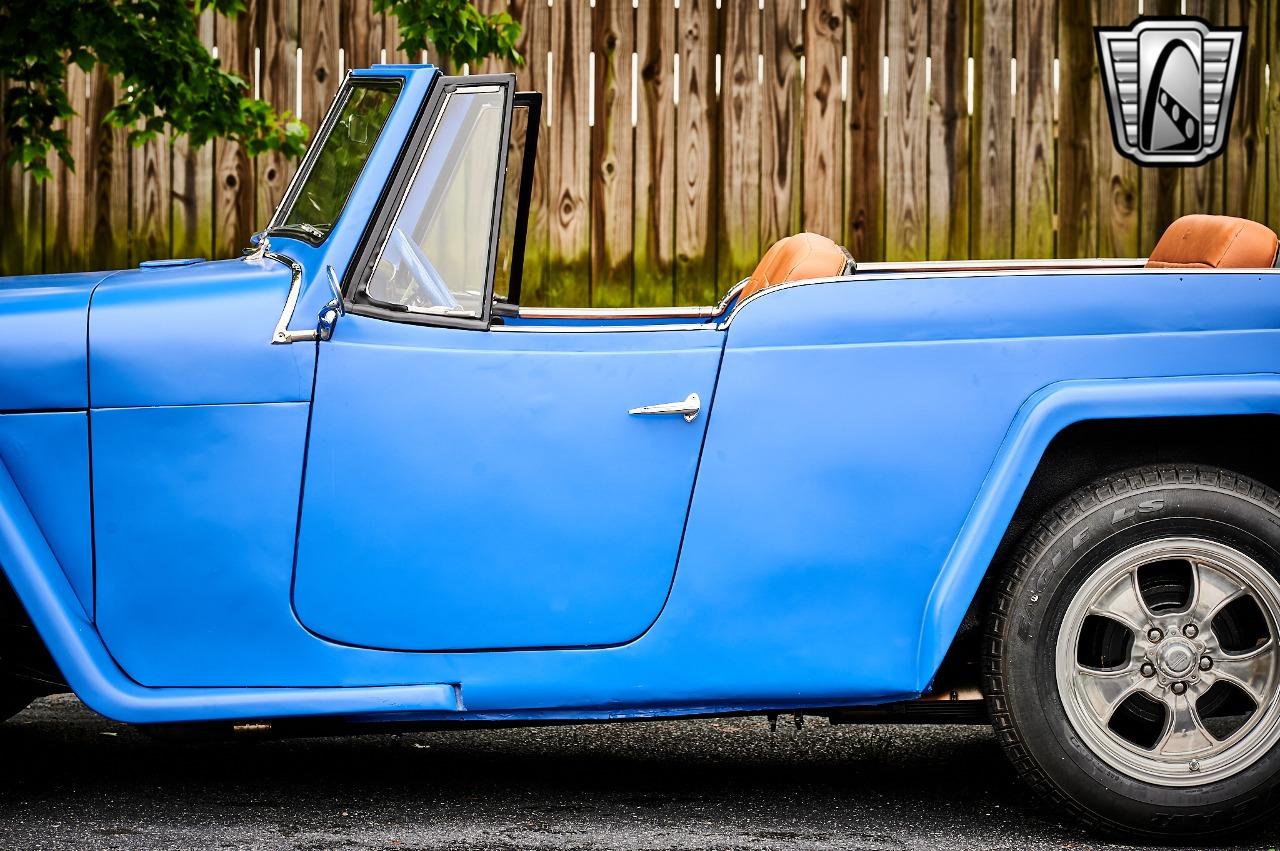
797,258
1214,242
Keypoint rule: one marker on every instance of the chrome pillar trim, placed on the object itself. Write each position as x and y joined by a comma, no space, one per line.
687,408
282,334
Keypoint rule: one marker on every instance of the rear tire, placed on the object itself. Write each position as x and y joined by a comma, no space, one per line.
1132,669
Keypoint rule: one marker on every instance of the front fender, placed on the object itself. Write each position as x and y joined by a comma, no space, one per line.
87,666
1040,418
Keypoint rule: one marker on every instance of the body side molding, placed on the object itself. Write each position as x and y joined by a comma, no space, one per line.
1039,419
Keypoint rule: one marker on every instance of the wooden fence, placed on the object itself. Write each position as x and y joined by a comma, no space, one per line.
683,136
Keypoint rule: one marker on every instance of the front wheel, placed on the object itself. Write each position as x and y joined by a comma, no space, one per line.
1132,668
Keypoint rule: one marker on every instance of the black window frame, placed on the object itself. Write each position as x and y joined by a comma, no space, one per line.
273,228
360,270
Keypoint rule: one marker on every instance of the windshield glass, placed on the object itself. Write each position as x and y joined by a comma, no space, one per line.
436,258
337,166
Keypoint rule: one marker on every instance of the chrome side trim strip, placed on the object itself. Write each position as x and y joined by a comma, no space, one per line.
282,334
599,313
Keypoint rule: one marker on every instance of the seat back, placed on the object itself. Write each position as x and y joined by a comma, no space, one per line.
1215,242
797,258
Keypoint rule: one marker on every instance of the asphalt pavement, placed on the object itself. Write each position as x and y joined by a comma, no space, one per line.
74,780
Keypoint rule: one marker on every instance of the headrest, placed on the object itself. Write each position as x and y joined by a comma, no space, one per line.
796,258
1214,242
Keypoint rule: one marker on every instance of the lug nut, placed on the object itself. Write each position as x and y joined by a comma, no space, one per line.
1178,688
1190,630
1154,635
1147,669
1205,663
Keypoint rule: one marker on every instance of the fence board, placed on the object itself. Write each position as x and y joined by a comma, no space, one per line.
361,39
1117,177
569,155
1273,119
948,192
780,125
191,211
906,132
863,219
533,45
1078,203
1034,156
738,249
1245,194
822,192
109,165
612,145
233,189
64,220
696,206
277,34
654,187
320,25
149,232
993,107
15,204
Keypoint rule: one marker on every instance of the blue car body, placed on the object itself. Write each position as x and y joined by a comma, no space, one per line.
408,521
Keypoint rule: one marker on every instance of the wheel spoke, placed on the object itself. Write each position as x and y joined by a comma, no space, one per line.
1103,691
1213,590
1250,671
1123,603
1184,734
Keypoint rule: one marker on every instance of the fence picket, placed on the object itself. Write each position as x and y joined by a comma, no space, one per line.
907,132
781,177
612,148
823,118
569,155
653,193
863,219
697,154
1034,155
948,199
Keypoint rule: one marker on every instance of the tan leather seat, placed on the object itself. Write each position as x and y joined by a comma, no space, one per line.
1214,242
797,258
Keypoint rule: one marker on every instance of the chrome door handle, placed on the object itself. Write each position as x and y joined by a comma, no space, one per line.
688,408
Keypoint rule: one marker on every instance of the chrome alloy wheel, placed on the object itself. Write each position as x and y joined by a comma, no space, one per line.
1167,662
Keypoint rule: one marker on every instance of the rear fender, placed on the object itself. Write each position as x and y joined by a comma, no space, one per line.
1043,415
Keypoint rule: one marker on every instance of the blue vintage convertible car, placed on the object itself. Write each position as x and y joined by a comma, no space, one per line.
346,481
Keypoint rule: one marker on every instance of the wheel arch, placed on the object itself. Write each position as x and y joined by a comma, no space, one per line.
1066,435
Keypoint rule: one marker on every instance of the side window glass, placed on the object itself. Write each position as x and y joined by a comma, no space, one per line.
436,258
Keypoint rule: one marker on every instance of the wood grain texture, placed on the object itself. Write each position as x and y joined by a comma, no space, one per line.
823,187
863,219
1159,188
1034,154
149,233
64,218
191,210
320,25
697,155
1116,181
654,197
906,132
533,45
612,155
569,155
1079,205
361,39
738,249
276,25
782,95
233,183
1273,118
993,134
1245,194
1202,186
108,161
948,191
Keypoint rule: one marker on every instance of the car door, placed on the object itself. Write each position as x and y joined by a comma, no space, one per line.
473,485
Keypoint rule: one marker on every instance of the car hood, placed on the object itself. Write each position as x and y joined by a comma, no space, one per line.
44,341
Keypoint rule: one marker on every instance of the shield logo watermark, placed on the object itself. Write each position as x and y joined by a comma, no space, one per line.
1170,85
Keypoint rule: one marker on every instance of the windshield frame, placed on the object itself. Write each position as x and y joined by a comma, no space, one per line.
378,231
300,177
